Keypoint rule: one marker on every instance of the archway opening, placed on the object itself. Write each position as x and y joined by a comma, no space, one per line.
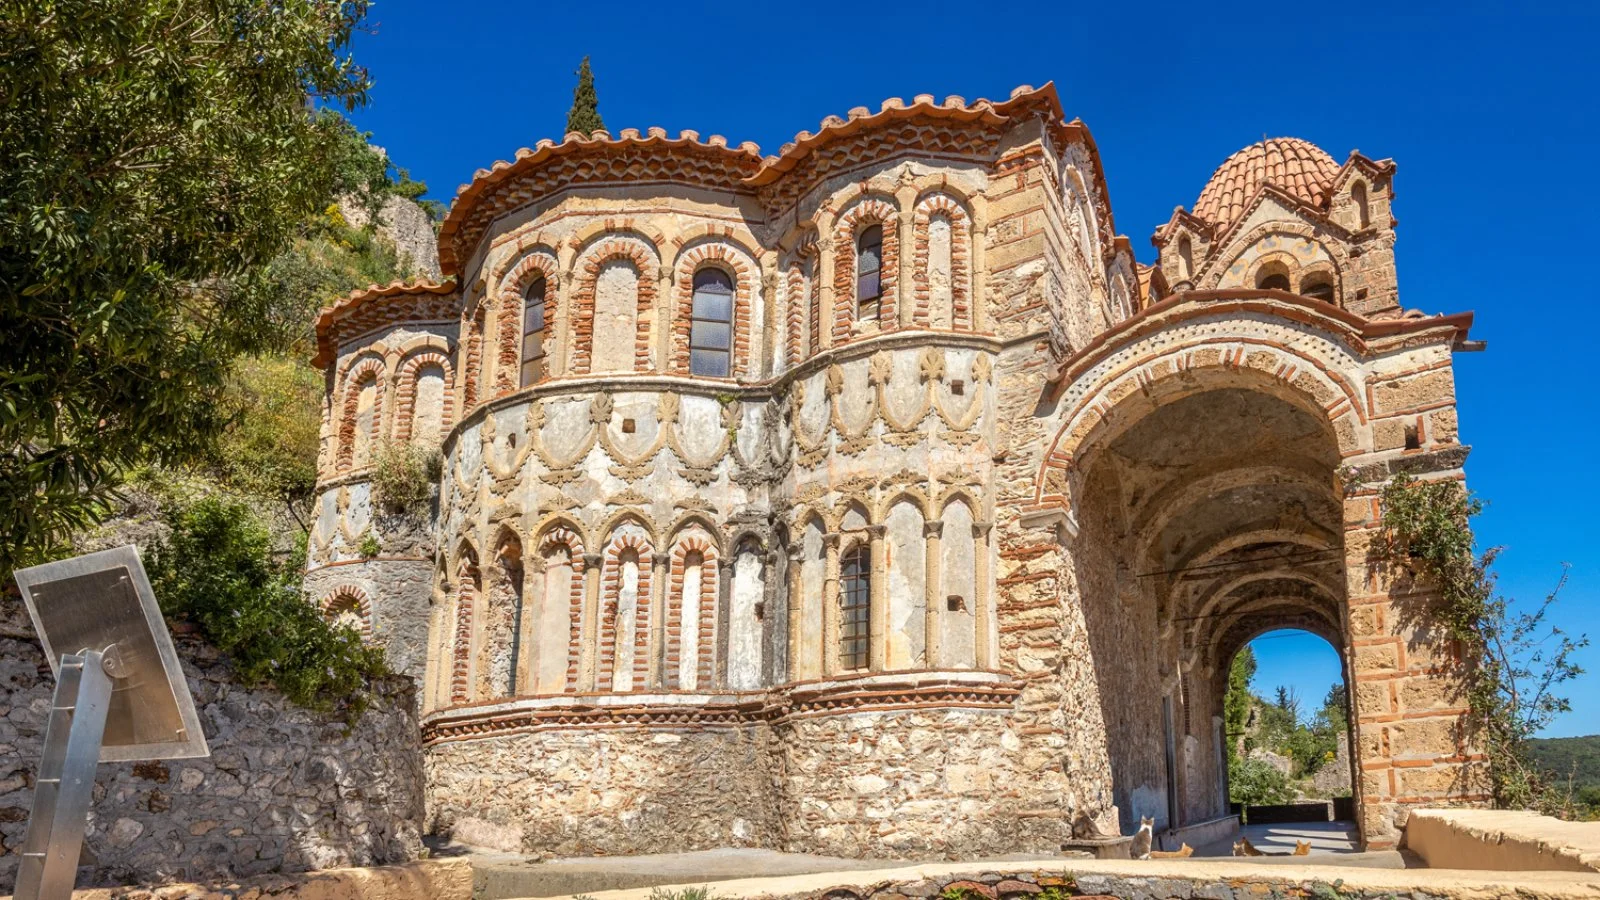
1211,519
1287,740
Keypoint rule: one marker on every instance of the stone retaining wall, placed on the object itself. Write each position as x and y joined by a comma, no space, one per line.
284,789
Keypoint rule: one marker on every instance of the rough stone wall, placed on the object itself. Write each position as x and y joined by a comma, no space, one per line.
284,790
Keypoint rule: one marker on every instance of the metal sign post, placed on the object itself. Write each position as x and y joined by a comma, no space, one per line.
120,696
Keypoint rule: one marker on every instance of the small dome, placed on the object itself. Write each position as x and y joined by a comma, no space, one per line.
1299,167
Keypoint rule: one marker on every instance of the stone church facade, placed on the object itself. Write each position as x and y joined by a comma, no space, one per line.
870,498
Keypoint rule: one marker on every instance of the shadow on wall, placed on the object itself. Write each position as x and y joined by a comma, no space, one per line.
285,789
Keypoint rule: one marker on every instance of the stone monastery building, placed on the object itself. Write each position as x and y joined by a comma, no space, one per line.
870,498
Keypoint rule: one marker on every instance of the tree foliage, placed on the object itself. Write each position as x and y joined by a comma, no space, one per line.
584,117
1515,661
216,569
154,156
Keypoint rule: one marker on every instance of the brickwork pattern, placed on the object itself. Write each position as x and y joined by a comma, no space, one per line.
406,395
869,212
927,209
741,361
368,369
611,593
583,302
705,625
508,324
350,599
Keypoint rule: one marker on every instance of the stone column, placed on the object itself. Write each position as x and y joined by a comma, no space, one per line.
982,603
775,320
662,324
830,604
878,623
662,564
979,273
558,351
773,669
533,595
824,281
719,672
905,295
589,630
792,665
931,532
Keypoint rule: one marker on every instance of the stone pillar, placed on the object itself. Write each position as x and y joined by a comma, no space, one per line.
533,593
558,352
792,664
660,578
719,643
905,295
661,324
774,670
980,274
830,604
931,532
982,603
589,631
878,623
825,310
775,320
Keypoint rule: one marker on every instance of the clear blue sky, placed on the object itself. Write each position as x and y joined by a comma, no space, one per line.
1490,116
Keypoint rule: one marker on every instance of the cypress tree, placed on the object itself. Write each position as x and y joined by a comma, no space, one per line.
584,117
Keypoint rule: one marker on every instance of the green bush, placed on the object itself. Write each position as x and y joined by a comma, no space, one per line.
403,476
216,570
1255,782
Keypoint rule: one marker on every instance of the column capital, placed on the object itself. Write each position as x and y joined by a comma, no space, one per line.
877,531
981,529
932,529
592,560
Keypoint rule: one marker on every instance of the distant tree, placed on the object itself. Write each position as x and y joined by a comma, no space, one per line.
1236,701
584,117
154,155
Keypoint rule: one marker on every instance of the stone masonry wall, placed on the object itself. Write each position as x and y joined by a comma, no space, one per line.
284,789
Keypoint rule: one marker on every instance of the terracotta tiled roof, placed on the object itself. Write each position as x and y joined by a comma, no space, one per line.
1299,167
355,306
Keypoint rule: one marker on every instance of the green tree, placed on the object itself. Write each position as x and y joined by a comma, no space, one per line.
1255,782
1236,701
154,155
584,117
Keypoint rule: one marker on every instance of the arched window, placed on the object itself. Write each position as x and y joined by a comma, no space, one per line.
710,324
1358,193
1317,287
1274,281
1185,257
533,332
869,272
855,607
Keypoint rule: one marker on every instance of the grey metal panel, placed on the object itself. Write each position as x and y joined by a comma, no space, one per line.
103,602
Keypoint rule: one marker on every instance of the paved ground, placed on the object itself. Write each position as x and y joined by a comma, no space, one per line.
1332,844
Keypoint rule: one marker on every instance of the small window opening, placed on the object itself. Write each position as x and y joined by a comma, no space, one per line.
1276,281
958,387
710,324
869,273
955,603
1358,193
1318,287
1361,294
1413,440
855,606
628,426
533,332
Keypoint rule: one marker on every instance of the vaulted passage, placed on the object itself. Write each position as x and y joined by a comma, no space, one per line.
1212,519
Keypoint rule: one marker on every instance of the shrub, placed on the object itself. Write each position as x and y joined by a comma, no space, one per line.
216,570
403,476
1256,782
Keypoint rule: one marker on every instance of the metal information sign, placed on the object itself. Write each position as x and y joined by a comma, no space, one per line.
120,696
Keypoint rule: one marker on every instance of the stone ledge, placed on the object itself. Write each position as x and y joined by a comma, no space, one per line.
439,879
1503,840
1181,879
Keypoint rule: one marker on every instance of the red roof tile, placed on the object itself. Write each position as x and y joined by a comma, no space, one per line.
1299,167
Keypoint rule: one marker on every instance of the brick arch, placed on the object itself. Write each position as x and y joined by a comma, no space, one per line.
349,597
406,393
739,265
472,324
368,367
508,315
610,596
1121,395
558,536
692,542
941,204
871,210
802,318
582,317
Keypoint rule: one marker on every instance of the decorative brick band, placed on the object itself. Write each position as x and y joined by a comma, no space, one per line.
406,394
368,369
555,541
705,625
472,362
871,211
582,315
721,711
733,262
349,598
929,208
611,596
461,651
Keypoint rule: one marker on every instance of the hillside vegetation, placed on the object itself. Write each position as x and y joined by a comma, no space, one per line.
1574,762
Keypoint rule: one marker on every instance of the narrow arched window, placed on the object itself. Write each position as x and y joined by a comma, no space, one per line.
869,273
1358,193
1277,281
1317,287
710,324
855,607
1185,257
533,332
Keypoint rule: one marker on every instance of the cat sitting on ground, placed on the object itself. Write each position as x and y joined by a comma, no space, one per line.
1243,847
1182,853
1301,848
1142,837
